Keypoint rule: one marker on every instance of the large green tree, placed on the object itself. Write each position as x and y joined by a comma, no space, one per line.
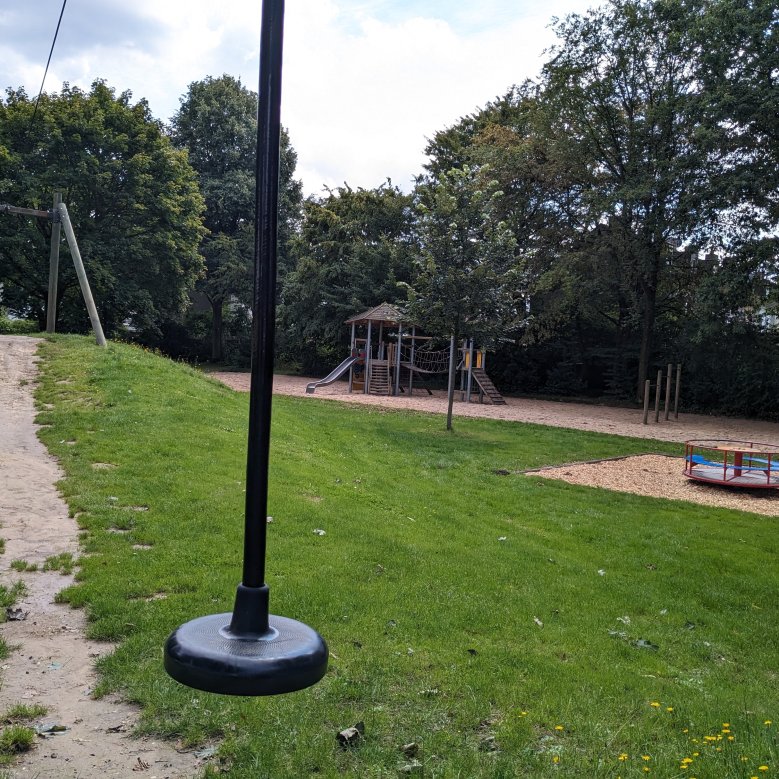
624,111
132,197
738,68
653,126
469,282
217,124
656,109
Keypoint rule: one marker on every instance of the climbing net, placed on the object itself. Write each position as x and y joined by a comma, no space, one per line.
426,360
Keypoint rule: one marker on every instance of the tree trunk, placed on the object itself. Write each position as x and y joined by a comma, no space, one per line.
217,329
649,300
452,366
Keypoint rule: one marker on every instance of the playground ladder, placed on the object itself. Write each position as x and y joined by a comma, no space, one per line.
380,384
489,389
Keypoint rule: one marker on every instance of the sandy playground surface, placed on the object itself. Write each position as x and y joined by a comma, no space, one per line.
52,662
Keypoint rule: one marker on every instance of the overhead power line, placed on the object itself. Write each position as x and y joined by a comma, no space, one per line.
48,62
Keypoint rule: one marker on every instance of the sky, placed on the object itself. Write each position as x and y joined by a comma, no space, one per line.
365,82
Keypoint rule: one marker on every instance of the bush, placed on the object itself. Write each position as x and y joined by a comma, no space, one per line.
17,326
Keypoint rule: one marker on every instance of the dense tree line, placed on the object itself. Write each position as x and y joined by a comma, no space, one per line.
616,213
133,199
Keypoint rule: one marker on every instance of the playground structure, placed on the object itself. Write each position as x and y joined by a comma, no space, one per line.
733,463
388,357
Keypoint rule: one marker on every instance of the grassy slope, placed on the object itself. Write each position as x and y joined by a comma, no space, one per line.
429,617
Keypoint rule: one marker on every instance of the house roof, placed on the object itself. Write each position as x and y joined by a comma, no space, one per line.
384,312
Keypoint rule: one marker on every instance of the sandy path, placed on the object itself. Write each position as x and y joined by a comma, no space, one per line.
52,663
581,416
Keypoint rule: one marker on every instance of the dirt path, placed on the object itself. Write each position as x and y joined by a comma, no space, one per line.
52,663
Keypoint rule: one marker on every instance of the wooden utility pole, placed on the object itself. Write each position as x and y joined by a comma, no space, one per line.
6,209
59,216
82,275
54,260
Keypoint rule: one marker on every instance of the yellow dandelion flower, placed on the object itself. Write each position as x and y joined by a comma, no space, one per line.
647,769
556,759
726,730
725,724
655,705
646,757
768,722
669,708
559,727
623,756
695,754
686,730
731,738
762,768
523,714
686,760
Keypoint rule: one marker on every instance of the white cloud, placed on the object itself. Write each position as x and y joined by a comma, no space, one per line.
364,83
360,104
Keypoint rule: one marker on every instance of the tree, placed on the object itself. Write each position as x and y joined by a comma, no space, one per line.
624,109
738,69
354,250
133,200
644,118
469,282
217,124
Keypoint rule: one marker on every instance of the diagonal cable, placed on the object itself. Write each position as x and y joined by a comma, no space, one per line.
48,62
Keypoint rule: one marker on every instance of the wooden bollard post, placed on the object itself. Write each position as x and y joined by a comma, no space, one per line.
657,395
646,400
668,391
678,386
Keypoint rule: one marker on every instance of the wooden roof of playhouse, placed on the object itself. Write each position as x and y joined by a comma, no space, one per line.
384,312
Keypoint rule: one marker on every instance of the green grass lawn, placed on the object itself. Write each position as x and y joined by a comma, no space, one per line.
605,635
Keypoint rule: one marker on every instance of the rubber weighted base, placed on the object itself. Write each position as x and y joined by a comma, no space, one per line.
205,655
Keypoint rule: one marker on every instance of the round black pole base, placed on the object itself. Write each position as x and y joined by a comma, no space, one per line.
204,654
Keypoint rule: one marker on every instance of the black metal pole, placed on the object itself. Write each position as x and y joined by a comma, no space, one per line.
250,651
264,310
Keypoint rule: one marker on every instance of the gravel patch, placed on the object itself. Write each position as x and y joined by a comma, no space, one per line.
660,476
